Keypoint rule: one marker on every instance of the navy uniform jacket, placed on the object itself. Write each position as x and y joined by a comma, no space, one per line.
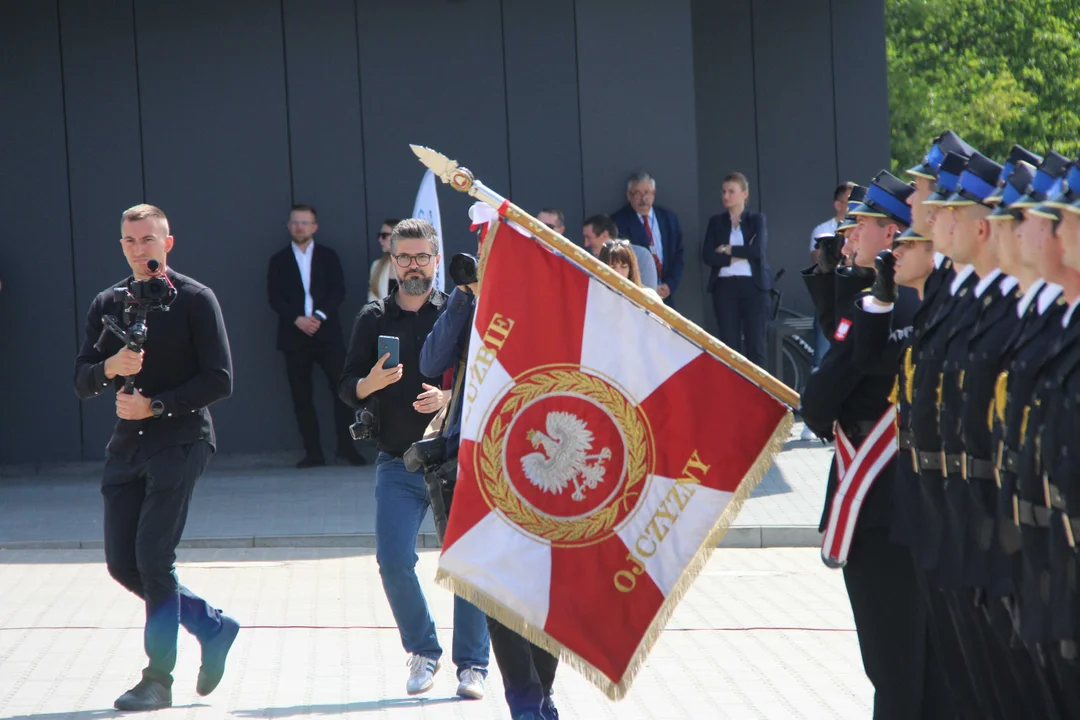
881,345
1061,447
1033,368
986,344
839,391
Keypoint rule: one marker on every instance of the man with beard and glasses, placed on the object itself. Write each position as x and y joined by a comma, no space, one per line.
405,400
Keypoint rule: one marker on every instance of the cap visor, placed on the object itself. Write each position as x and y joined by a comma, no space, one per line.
864,209
1044,212
1000,213
921,170
910,234
956,200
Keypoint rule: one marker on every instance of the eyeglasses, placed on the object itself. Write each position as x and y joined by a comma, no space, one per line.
405,261
300,223
384,235
613,243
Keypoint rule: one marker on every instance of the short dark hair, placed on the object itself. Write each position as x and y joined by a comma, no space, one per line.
303,207
415,229
392,222
142,212
737,177
842,190
603,223
556,212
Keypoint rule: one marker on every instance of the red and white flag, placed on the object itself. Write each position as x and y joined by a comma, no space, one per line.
603,456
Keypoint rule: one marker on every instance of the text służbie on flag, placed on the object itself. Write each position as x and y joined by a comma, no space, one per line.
602,458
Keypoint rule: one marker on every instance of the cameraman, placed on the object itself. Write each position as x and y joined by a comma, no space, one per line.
406,401
528,671
161,445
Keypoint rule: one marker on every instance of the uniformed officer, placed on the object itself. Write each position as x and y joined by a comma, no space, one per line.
161,445
1061,446
879,574
879,344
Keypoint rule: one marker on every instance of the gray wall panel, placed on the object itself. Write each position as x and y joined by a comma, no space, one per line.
326,146
726,112
862,96
101,97
432,74
636,80
212,81
796,147
542,108
39,414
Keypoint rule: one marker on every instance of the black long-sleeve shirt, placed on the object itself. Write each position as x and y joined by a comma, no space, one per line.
400,425
187,365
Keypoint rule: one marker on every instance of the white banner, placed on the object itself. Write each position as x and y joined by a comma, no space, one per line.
427,208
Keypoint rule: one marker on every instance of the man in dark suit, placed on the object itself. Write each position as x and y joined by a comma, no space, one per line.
654,228
306,286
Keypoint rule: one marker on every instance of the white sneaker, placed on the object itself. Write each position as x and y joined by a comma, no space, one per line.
471,684
808,434
421,674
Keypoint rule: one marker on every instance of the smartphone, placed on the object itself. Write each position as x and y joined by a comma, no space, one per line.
389,344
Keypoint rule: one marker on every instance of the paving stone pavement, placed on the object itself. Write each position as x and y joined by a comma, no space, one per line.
762,634
245,501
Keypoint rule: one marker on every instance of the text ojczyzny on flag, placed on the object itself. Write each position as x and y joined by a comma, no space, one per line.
602,457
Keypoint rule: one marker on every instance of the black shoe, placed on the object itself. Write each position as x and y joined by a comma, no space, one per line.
147,695
351,457
309,462
214,652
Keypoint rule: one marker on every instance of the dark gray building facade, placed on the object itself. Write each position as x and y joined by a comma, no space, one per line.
224,112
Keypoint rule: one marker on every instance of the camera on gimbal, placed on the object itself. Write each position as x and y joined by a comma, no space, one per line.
140,298
366,426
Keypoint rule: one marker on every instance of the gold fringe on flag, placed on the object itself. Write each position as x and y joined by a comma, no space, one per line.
616,689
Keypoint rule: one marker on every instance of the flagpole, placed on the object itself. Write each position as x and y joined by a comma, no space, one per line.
462,180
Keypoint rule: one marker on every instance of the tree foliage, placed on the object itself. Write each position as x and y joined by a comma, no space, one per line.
997,72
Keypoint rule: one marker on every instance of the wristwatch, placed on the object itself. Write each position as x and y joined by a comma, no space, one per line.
157,407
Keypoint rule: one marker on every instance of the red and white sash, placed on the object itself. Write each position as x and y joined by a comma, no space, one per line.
857,470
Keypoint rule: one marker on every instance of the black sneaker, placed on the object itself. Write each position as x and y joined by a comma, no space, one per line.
309,462
147,695
214,652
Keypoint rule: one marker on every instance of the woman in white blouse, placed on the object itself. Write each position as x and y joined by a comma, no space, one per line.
382,270
735,248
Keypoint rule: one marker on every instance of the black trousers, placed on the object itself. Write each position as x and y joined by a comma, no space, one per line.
300,366
146,506
740,309
891,622
528,671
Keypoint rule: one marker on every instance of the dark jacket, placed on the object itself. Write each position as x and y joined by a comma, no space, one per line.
286,291
754,249
187,366
671,242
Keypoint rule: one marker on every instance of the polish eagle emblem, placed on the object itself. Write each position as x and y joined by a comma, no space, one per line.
565,459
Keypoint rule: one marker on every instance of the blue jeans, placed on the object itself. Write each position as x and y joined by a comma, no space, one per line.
401,501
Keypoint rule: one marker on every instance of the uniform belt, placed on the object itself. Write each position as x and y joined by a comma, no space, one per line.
954,464
930,461
858,428
907,440
1034,515
1056,500
979,469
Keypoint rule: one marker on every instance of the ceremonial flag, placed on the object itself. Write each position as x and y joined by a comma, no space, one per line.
603,455
427,208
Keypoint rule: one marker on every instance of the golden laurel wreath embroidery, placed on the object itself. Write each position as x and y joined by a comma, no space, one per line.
496,484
